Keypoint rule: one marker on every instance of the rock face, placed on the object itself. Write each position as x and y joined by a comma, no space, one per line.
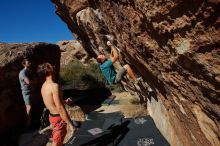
12,112
72,51
173,45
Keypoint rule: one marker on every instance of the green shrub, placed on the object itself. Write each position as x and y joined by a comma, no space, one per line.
78,72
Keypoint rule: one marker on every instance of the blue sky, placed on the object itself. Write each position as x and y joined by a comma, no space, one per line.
31,21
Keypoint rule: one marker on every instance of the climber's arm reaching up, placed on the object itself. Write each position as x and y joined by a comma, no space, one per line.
114,52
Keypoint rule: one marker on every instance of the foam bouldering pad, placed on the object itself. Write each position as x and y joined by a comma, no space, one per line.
90,124
89,141
114,130
111,123
110,101
96,115
143,131
141,122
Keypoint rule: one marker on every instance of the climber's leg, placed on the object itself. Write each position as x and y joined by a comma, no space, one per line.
120,74
130,71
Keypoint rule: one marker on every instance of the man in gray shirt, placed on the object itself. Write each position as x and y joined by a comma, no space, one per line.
27,80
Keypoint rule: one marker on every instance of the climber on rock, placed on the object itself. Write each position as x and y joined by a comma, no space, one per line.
107,68
27,81
52,97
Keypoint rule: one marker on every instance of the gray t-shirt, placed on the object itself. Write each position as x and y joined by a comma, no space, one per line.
25,73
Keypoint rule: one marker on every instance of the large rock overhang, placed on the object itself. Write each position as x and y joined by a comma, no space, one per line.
173,45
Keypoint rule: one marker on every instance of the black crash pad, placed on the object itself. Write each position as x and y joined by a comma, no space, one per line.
143,132
89,124
118,131
98,116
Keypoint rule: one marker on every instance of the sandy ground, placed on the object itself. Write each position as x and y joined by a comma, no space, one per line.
125,103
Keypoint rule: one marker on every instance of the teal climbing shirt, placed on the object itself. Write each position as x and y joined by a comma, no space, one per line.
108,71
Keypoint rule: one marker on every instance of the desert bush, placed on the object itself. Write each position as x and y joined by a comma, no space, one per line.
79,72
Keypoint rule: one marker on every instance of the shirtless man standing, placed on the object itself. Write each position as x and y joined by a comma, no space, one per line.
52,97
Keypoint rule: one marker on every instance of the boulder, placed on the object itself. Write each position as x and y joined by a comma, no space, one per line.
13,112
173,45
72,51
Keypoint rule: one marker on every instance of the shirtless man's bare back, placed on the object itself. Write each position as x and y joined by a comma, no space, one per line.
52,97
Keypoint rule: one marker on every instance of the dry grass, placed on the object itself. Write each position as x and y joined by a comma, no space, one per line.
134,110
130,106
76,113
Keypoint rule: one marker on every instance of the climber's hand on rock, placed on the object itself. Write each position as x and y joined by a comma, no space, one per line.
109,43
101,49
